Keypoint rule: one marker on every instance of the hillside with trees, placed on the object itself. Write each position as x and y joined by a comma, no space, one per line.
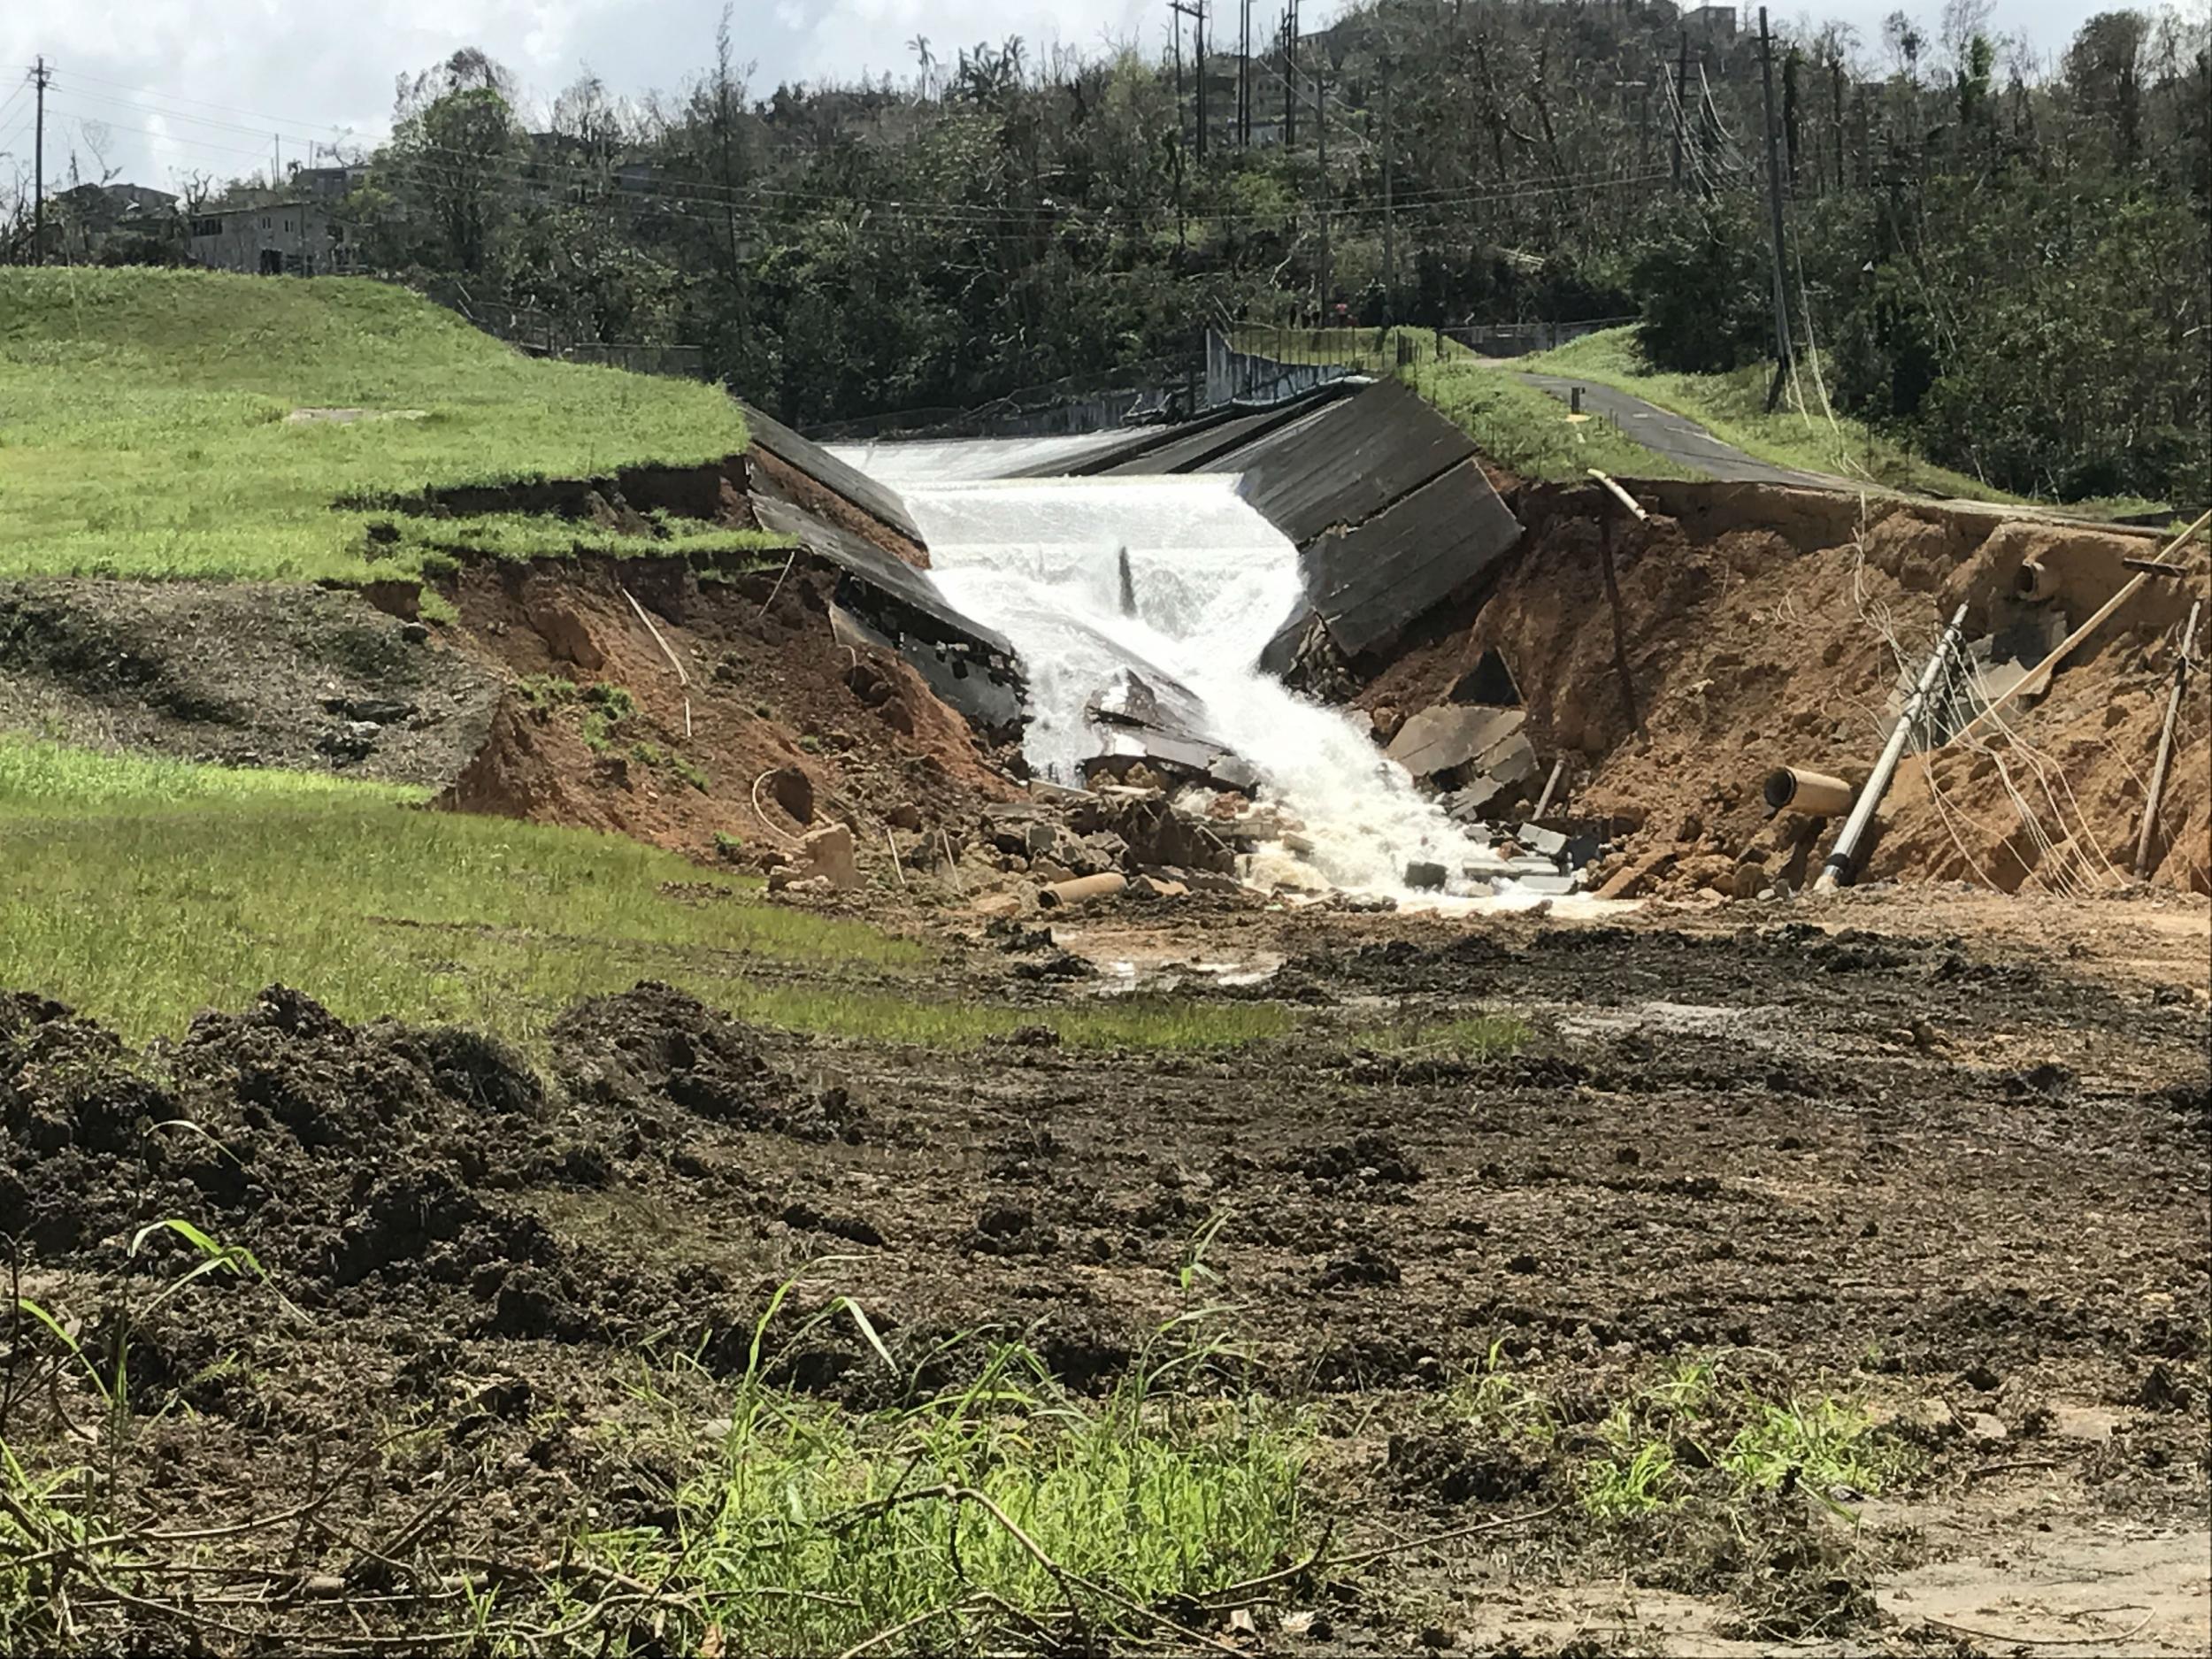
1996,256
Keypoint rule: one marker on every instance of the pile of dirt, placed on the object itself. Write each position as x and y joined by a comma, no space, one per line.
378,1159
241,674
1754,626
775,728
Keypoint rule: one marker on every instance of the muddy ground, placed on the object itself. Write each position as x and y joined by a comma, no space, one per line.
1912,1163
241,674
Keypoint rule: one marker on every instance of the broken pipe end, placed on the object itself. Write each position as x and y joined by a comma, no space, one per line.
2034,581
1815,794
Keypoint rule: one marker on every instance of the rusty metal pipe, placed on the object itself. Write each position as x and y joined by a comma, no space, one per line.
1081,890
1838,868
1815,794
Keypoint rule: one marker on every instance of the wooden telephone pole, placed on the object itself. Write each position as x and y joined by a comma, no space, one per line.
40,75
1321,136
1782,353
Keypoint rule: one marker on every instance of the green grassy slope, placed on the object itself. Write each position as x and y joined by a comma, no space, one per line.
144,891
1530,432
1733,407
143,430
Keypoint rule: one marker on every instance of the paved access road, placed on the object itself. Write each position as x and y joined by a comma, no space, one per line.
1677,437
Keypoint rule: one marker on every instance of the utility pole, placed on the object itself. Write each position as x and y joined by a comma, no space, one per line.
1390,236
1244,77
1175,7
40,76
1195,11
1681,92
1321,138
1290,76
1198,37
1774,196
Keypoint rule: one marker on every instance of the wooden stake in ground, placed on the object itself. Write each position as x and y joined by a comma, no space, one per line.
2143,845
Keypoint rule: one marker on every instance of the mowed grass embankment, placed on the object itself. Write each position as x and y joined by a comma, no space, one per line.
1733,407
144,891
1530,432
145,429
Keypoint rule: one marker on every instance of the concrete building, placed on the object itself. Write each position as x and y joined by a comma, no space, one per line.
1717,23
278,239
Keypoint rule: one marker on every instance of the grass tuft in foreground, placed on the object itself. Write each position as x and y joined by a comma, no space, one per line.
1692,1429
1005,1504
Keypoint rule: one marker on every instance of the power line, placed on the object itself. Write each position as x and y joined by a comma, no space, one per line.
262,116
520,170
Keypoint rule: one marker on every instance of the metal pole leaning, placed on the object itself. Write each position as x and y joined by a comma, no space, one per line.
1838,869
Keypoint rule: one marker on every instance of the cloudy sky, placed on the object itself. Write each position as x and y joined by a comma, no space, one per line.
165,87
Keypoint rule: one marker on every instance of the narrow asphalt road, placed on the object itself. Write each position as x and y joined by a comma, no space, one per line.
1676,437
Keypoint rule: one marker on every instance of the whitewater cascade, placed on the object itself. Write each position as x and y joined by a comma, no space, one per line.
1042,562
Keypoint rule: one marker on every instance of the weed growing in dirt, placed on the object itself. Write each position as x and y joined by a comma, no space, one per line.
1689,1429
164,446
1501,1406
34,1511
1821,1440
1007,1503
545,693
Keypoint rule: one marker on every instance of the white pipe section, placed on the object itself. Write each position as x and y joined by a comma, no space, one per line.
1839,865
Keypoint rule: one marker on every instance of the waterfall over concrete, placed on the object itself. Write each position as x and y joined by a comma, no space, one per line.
1208,581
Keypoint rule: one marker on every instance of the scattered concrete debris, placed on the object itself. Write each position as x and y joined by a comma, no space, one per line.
1138,720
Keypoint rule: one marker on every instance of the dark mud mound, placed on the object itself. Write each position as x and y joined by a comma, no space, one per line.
358,1158
653,1047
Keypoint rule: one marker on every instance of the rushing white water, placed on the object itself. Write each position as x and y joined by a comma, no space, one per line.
1210,580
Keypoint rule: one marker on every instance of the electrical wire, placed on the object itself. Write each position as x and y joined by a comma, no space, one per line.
518,170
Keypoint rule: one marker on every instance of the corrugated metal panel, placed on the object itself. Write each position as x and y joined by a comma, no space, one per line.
1371,582
878,569
1346,463
877,500
1192,448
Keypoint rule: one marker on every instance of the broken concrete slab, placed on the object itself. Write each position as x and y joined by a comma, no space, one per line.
1537,839
1371,582
1549,882
1638,877
828,853
1447,737
1185,757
